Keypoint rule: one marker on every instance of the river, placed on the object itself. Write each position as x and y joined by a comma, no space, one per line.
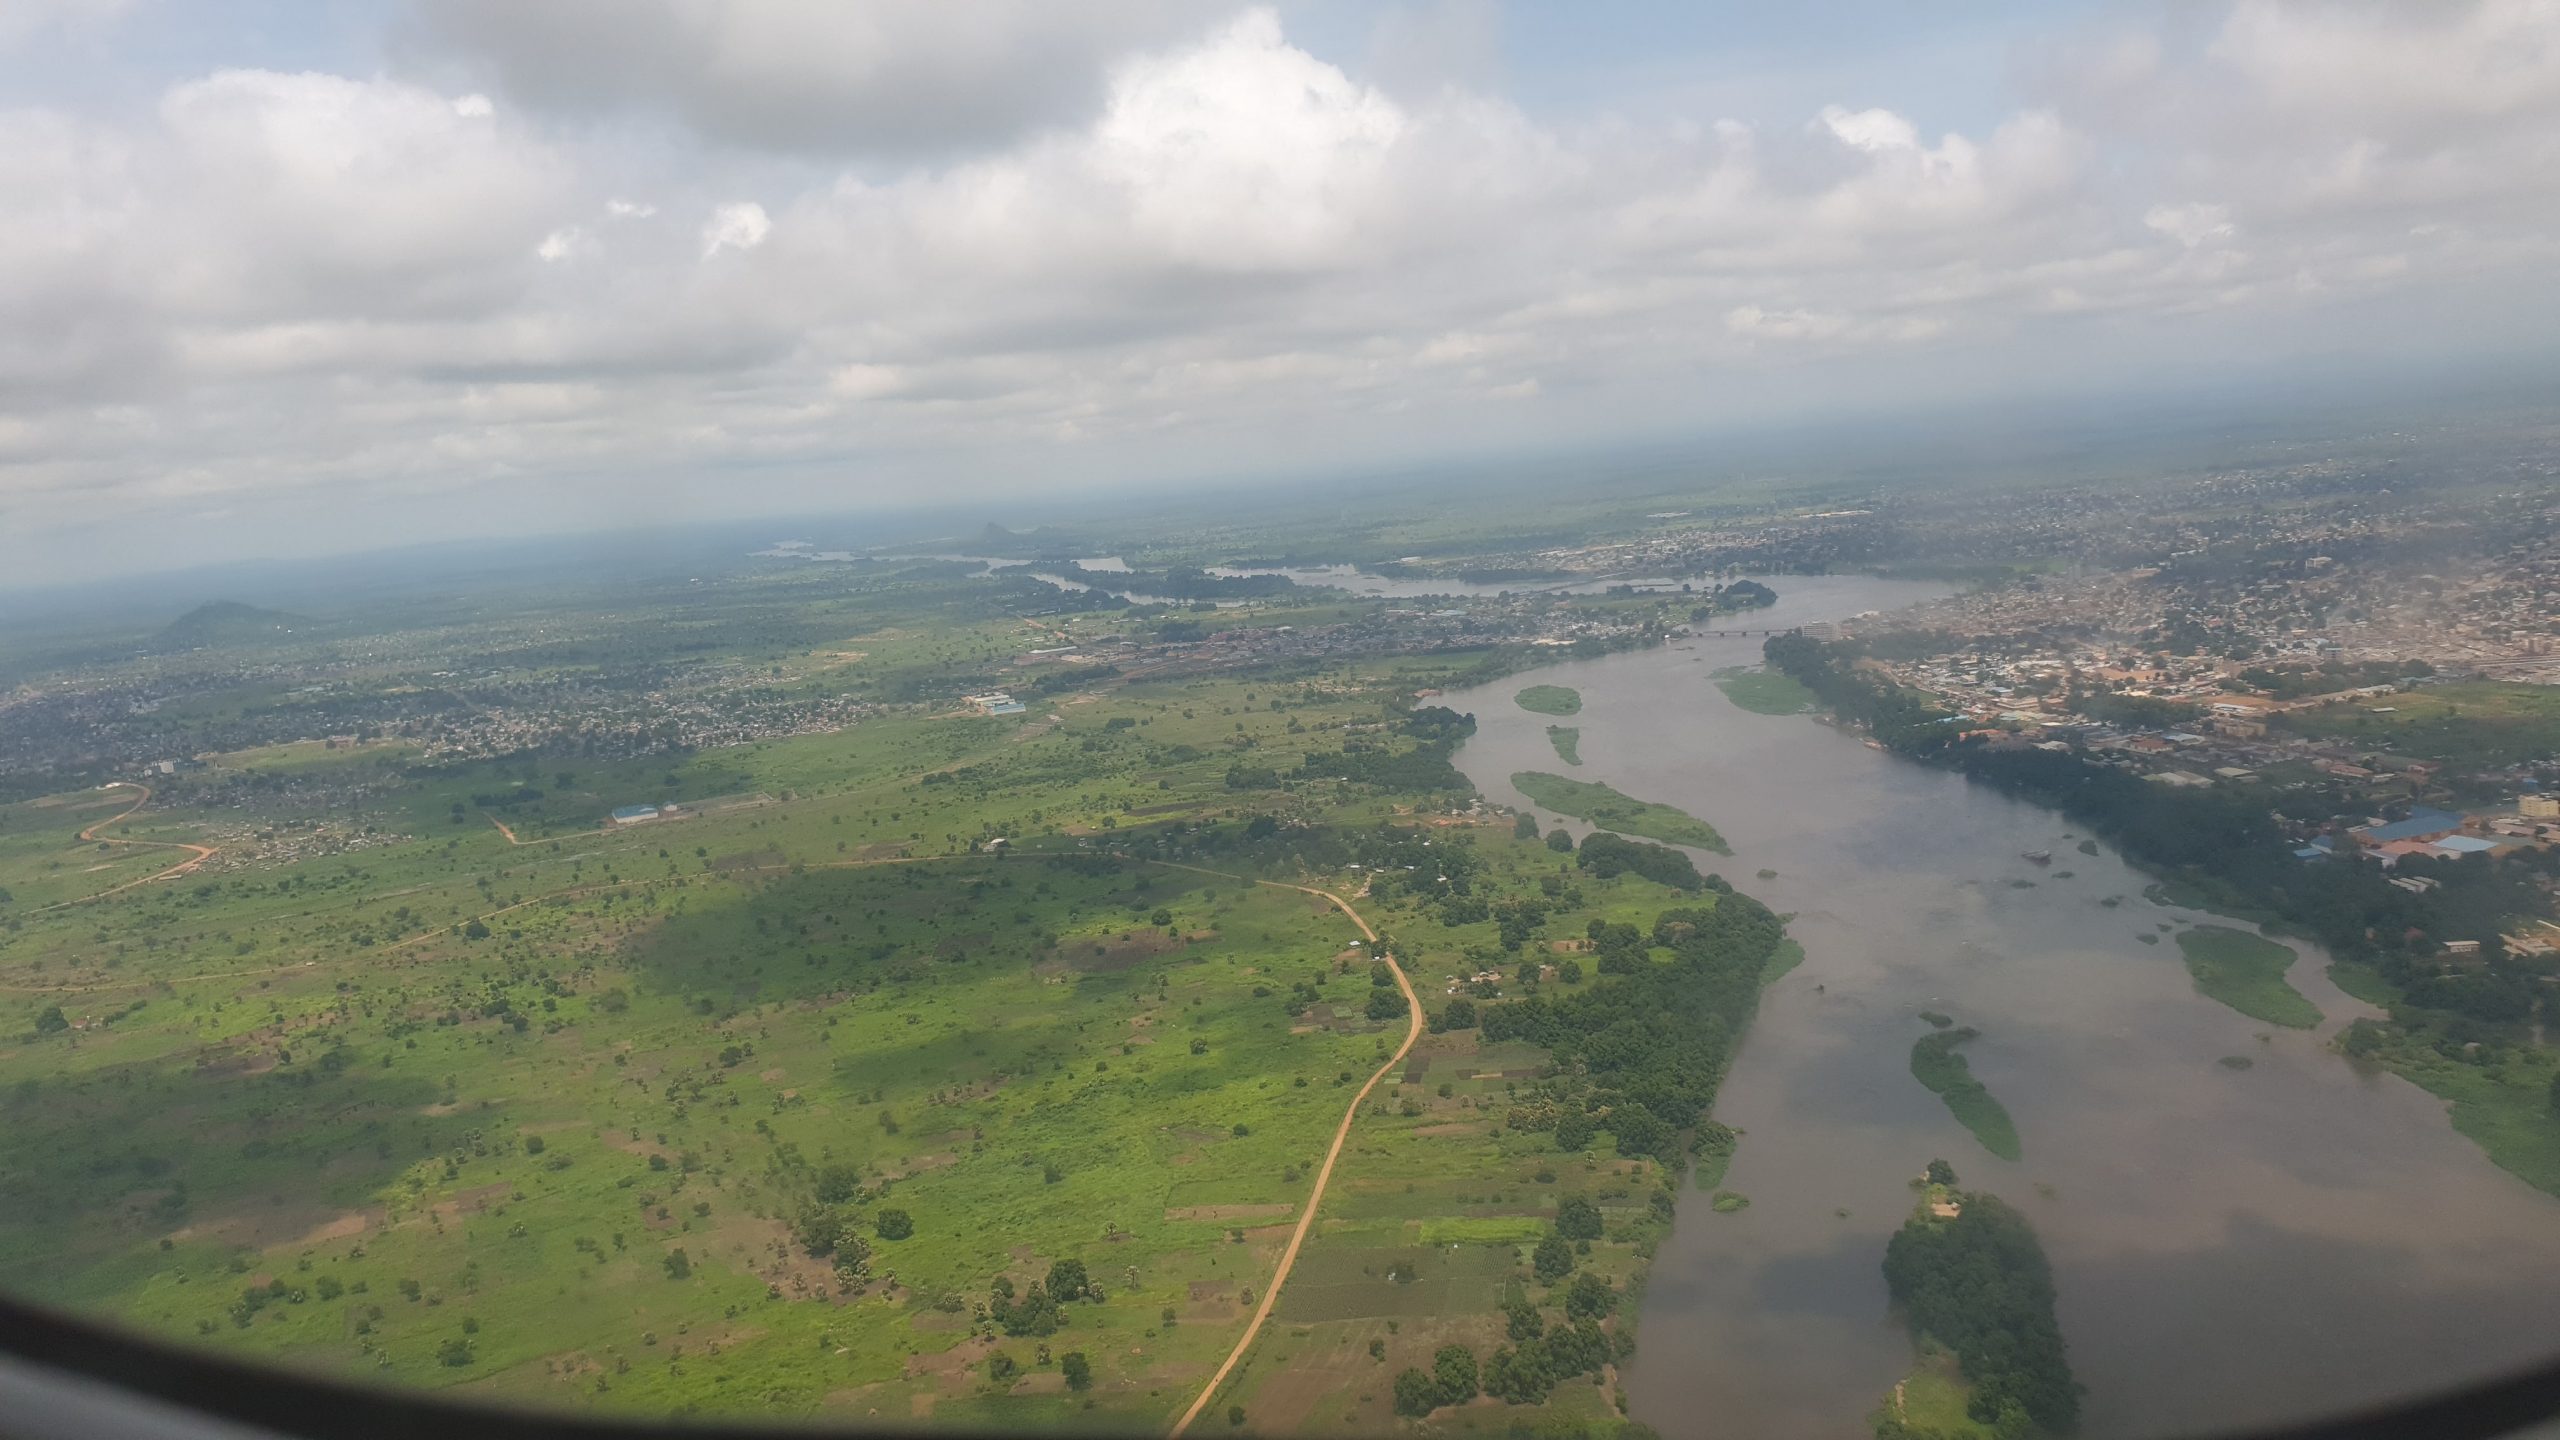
2231,1246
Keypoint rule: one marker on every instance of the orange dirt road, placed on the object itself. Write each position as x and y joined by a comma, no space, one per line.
1315,1197
197,856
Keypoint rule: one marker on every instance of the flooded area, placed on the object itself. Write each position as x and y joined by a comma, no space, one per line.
2231,1245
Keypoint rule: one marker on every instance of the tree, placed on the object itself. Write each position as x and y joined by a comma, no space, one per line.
1560,840
533,1145
1526,827
1552,1260
894,1225
49,1021
455,1352
1573,1132
1578,1219
1077,1369
1385,1005
679,1265
1589,1297
1453,1372
1416,1394
1522,1321
1067,1279
1460,1014
1941,1173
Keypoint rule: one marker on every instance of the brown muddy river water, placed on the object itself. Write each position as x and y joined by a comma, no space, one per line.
2230,1246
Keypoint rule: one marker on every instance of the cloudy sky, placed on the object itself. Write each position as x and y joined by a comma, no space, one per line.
329,275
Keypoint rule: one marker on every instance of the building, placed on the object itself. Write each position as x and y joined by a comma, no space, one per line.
2539,807
994,702
638,814
2423,824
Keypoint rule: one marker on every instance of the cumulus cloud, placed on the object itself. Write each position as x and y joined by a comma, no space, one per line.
1221,242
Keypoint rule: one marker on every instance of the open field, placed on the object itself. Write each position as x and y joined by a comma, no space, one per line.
1764,692
2470,723
1611,809
2246,972
514,1100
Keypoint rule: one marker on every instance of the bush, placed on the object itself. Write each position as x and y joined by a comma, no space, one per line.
894,1225
1077,1369
679,1265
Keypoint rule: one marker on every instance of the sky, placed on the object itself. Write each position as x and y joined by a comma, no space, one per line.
287,279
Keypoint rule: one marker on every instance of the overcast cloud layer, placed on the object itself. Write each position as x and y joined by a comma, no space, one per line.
526,261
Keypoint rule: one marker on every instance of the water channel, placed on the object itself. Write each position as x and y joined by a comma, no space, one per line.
2231,1246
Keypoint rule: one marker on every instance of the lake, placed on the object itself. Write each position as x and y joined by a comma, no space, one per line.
2230,1246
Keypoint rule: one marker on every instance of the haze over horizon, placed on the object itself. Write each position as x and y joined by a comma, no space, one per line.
347,276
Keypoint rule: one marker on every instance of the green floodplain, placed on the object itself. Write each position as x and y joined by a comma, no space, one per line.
810,1100
1612,809
2246,972
1937,1064
1550,700
1568,742
1764,692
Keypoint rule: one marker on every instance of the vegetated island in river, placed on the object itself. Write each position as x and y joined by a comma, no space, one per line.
2246,972
1612,809
1969,1277
1568,742
1764,692
1550,699
1935,1063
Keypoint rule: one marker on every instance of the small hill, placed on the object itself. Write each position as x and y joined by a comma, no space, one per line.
226,622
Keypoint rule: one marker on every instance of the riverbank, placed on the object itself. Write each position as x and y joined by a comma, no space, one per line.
2195,1214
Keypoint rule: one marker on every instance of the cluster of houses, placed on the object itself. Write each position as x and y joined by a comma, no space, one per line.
2436,834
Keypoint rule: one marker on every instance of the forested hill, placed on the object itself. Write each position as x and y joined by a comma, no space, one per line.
1978,1283
225,622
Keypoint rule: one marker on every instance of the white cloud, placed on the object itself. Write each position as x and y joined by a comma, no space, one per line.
740,226
273,283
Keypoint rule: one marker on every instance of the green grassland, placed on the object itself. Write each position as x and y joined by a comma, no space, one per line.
2472,723
1551,700
1611,809
1937,1064
1568,742
2246,972
442,1110
1764,692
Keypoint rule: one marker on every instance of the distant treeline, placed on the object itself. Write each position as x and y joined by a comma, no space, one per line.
1174,582
2225,844
1979,1285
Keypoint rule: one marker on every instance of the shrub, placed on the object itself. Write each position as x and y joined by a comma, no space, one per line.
894,1225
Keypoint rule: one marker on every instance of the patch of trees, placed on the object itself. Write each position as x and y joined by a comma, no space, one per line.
1979,1284
1451,1380
1439,722
1422,768
1654,1043
1608,856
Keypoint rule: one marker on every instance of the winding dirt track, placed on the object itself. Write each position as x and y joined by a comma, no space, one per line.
201,853
1324,1175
